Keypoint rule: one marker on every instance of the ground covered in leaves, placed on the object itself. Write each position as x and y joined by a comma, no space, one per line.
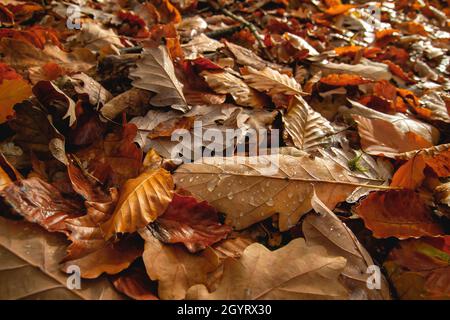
91,95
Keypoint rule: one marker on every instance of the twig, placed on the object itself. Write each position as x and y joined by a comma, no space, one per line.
224,32
244,22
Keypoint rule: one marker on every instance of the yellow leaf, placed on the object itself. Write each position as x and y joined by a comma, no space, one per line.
141,201
12,92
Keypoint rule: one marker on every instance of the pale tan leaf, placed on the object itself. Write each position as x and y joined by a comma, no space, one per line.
155,72
251,189
306,127
327,230
29,266
227,83
200,44
175,269
296,271
271,81
141,201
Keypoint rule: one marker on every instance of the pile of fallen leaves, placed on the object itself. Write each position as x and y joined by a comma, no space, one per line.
359,91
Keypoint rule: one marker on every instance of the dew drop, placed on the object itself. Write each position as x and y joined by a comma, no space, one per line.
270,202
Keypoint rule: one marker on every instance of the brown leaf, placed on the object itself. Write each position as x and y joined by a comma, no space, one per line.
175,269
247,192
327,230
420,268
89,250
117,156
398,213
141,201
296,271
29,266
187,221
341,80
41,203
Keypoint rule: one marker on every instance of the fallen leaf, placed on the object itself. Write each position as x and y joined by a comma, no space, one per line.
227,83
327,230
29,268
295,271
271,81
41,203
262,186
398,213
175,269
155,72
419,269
340,80
306,127
141,201
187,221
12,92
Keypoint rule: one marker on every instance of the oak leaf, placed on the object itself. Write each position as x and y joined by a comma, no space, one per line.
296,271
29,266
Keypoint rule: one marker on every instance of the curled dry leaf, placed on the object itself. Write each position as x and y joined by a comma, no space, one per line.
155,72
327,230
225,82
398,213
296,271
141,201
306,127
89,250
133,98
41,203
195,224
249,190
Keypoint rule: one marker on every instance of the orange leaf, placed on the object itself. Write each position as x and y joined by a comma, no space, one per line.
339,9
348,50
440,164
410,175
397,213
397,70
340,80
12,92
